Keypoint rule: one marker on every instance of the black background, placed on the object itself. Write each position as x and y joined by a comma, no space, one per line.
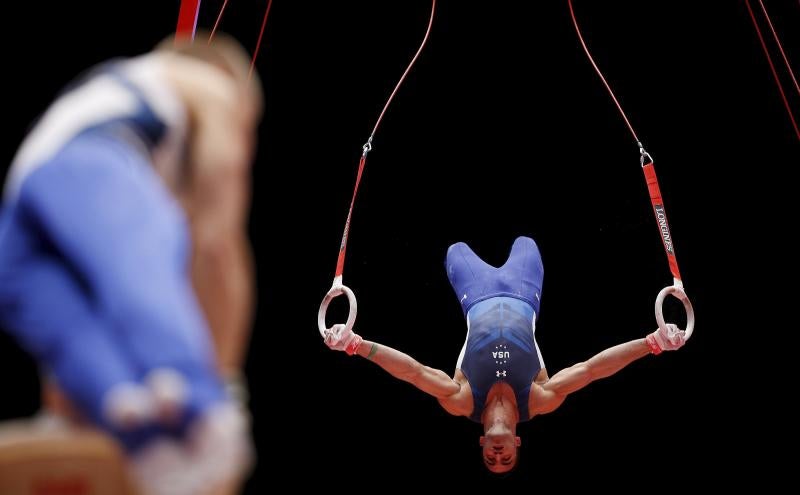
502,129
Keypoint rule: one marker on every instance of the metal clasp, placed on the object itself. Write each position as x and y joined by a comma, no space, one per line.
367,147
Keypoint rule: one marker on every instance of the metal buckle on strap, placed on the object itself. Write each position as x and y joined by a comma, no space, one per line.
644,156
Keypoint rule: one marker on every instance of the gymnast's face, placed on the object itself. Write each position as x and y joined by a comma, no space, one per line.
499,451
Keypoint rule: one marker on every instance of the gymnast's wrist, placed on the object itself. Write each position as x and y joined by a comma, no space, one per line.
652,344
353,346
366,349
235,383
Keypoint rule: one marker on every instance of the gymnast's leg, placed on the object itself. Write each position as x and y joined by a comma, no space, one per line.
107,213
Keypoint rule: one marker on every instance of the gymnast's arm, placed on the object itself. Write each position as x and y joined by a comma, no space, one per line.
400,365
552,394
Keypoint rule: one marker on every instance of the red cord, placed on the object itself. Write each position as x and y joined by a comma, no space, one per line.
408,69
368,146
772,68
260,35
597,69
647,167
216,23
780,47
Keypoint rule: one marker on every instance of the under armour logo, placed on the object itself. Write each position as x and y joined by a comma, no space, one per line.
500,372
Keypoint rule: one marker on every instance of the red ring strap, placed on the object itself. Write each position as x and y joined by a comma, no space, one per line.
368,146
647,166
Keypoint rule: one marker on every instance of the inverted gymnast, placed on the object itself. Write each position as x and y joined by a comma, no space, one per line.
123,242
500,378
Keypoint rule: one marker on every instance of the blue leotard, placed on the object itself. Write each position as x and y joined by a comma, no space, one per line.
501,305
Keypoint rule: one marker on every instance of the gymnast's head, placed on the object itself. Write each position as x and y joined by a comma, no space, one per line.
499,447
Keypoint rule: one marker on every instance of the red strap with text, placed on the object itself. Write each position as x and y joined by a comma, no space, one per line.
661,217
343,246
368,145
646,162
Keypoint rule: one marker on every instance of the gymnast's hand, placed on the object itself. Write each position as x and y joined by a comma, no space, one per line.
340,338
670,340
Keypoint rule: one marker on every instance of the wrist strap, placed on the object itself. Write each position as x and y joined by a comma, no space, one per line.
654,347
353,346
236,385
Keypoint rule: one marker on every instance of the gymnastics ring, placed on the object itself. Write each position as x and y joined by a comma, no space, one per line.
677,292
337,290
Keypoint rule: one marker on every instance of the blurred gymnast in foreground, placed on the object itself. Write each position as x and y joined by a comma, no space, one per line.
125,268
